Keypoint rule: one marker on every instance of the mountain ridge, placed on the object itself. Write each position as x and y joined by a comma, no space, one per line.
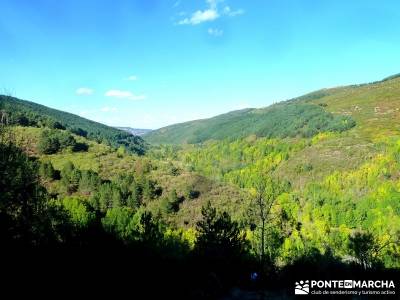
198,131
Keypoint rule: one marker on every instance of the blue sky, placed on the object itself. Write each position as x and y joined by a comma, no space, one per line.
150,63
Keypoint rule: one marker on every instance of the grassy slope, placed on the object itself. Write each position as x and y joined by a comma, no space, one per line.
95,130
105,161
374,107
94,159
376,110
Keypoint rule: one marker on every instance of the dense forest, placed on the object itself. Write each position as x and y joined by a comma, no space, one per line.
279,120
247,201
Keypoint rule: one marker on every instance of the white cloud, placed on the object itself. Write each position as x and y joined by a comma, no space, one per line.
200,17
84,91
124,95
109,109
232,13
211,13
215,32
133,78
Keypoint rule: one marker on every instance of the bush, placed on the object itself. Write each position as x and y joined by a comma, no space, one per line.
191,194
53,141
48,144
58,125
121,151
171,204
80,147
46,170
79,131
70,178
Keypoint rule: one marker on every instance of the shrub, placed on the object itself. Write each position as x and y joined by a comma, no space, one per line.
53,141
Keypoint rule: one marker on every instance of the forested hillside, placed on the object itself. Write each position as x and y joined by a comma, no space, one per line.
337,182
25,113
305,116
281,120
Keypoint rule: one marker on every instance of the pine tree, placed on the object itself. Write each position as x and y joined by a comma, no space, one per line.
173,202
218,236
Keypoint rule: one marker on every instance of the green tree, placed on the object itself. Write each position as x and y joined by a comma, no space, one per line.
102,200
26,216
46,171
117,200
89,182
70,177
78,212
118,220
79,131
134,198
173,202
48,144
150,230
362,246
64,138
266,238
148,189
218,236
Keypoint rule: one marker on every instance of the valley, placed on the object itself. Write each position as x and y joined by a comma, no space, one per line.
325,164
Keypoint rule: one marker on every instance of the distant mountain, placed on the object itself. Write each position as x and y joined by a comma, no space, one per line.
26,113
135,131
326,110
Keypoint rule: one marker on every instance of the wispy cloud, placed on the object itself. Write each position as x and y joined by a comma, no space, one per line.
124,95
133,78
215,32
84,91
232,13
211,13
